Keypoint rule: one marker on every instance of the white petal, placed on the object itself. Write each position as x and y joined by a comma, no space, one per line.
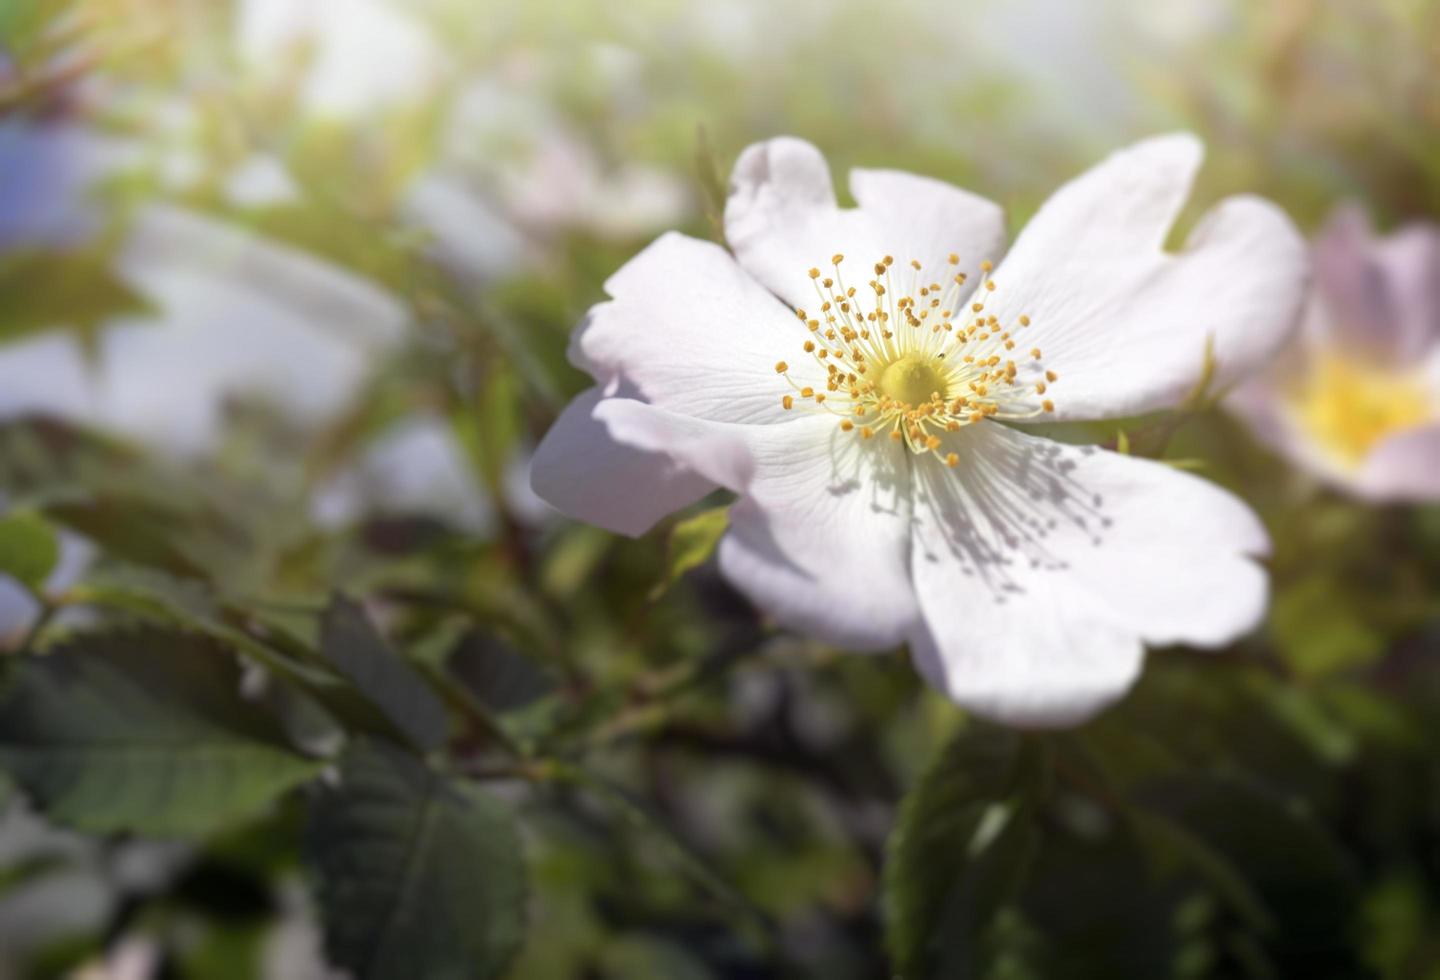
416,467
820,537
1123,322
235,316
782,220
689,331
46,375
582,471
1041,568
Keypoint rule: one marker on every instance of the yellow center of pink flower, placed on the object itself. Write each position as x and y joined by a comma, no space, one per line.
1349,406
915,362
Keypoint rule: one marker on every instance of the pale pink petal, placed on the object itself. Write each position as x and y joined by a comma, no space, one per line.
1125,323
1410,259
586,474
782,220
1041,568
689,331
1404,467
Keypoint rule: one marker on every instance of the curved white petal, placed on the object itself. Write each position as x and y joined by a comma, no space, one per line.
582,471
820,537
782,220
689,331
1041,568
1124,323
1405,467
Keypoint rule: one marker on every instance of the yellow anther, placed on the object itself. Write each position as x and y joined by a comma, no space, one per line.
986,266
990,285
866,432
1048,405
847,425
819,397
814,273
932,443
1035,353
895,435
809,346
953,259
807,392
788,402
1051,376
1024,320
1040,388
781,367
951,459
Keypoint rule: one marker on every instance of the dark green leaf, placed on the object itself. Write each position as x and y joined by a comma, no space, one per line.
960,847
418,875
501,677
29,549
350,642
143,731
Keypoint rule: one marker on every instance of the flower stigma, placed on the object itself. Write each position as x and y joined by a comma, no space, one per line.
910,364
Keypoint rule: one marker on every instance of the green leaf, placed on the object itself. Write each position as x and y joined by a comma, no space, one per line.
418,875
39,290
143,731
29,549
1319,629
491,428
960,849
350,642
692,542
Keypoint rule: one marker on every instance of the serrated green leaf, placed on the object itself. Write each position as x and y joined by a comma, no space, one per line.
29,549
143,731
418,875
692,542
351,643
960,847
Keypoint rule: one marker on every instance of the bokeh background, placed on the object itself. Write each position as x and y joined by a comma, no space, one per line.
285,290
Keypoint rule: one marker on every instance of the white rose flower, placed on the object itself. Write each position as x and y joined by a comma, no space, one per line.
852,375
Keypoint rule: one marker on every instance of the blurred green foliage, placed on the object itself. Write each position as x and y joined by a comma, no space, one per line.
537,750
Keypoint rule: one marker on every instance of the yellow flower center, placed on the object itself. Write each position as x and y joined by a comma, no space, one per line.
915,362
1348,406
912,380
